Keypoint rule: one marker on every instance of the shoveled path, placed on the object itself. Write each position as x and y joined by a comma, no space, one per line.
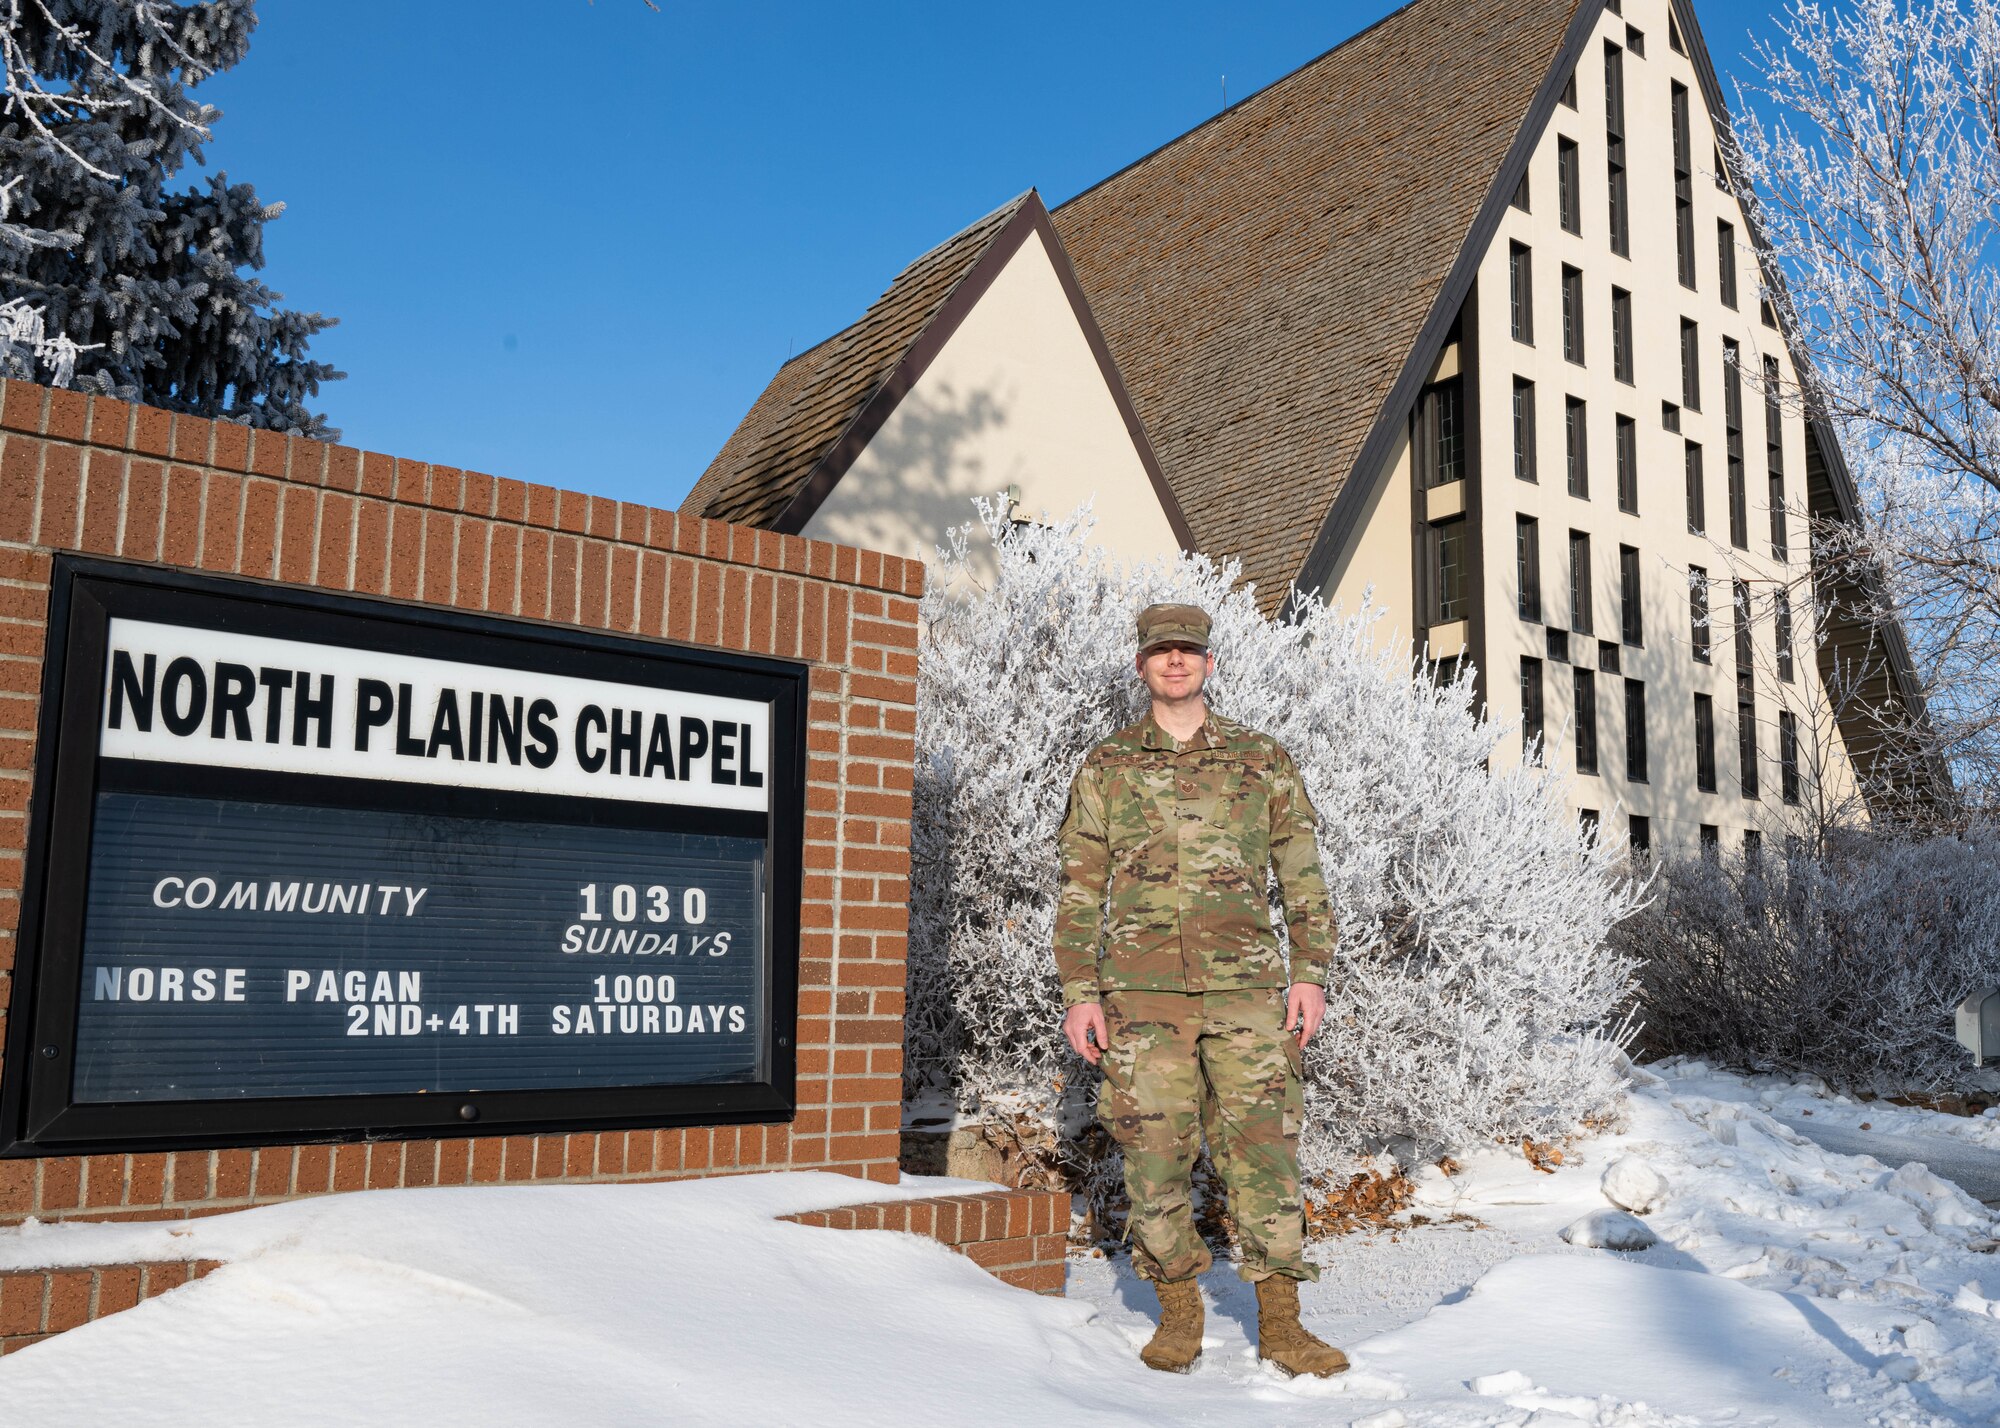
1974,1169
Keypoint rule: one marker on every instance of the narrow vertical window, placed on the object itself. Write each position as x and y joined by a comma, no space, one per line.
1698,621
1753,850
1524,429
1579,582
1639,834
1725,260
1528,566
1437,437
1531,708
1521,291
1690,365
1590,825
1569,184
1711,840
1568,96
1635,730
1683,186
1520,199
1697,498
1586,718
1781,617
1621,334
1704,743
1788,756
1450,589
1674,40
1774,460
1572,304
1746,655
1746,746
1732,425
1631,614
1614,149
1576,445
1628,465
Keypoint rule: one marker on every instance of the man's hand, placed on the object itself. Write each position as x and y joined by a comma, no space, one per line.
1305,1004
1082,1022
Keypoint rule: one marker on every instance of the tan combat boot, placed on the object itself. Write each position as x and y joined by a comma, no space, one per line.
1176,1344
1283,1340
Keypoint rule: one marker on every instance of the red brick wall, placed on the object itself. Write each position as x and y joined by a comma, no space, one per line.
85,474
1020,1236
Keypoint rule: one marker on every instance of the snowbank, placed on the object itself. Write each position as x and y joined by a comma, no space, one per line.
1791,1288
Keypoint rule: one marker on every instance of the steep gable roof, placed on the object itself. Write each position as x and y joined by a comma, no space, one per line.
816,395
1273,283
822,407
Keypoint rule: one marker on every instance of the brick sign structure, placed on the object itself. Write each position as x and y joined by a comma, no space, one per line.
95,482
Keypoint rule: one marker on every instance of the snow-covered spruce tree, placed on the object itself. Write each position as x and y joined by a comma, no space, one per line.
1472,996
149,287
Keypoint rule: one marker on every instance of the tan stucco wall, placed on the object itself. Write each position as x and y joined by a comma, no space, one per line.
1014,398
1659,530
1378,568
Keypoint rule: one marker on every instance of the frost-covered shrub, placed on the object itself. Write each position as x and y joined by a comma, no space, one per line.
1472,995
1847,965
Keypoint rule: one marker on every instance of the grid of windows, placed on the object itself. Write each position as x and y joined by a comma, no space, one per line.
1690,365
1628,465
1614,147
1704,743
1586,718
1524,429
1572,306
1698,623
1697,496
1781,618
1774,459
1521,291
1531,707
1569,185
1631,618
1528,566
1635,730
1725,260
1579,582
1683,187
1621,335
1449,586
1576,447
1788,756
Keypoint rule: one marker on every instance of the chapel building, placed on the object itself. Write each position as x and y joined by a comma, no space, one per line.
1462,316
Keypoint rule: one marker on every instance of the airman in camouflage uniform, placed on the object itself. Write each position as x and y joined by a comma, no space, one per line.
1173,983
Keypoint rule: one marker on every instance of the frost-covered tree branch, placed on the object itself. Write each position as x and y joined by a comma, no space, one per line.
1871,146
152,290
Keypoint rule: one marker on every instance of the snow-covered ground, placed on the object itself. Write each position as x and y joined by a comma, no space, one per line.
1790,1287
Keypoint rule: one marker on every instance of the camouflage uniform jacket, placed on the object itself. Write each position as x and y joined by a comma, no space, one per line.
1164,850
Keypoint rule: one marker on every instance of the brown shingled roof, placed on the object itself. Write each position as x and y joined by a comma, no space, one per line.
1263,279
817,395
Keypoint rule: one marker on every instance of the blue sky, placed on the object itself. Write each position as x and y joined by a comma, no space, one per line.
570,242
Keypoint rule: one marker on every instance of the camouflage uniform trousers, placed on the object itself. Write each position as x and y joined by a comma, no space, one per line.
1221,1064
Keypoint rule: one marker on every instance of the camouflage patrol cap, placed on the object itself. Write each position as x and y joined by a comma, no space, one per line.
1172,624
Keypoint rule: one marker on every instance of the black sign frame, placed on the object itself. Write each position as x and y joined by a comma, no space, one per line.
38,1118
